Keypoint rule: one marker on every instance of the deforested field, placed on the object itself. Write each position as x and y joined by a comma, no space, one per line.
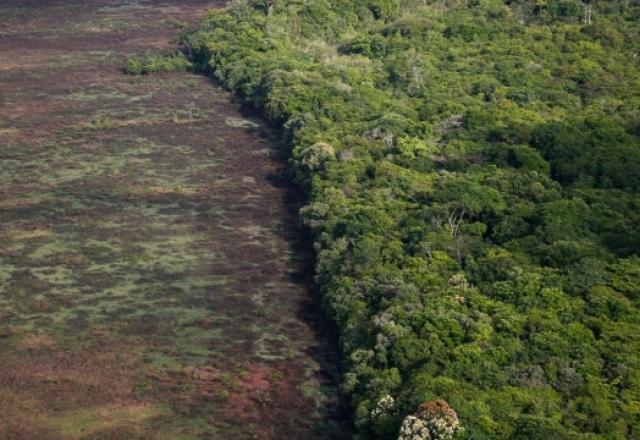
154,283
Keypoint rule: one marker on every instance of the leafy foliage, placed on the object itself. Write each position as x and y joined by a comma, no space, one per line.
157,63
472,175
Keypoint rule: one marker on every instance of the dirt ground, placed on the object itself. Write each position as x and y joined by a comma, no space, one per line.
153,282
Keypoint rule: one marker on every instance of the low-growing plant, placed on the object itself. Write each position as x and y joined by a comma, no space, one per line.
137,65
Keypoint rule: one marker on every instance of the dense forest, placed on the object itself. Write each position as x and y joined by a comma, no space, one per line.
472,170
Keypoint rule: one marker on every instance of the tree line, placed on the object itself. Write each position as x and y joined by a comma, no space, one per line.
472,169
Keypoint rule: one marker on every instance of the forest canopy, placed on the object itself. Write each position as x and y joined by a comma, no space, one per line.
472,170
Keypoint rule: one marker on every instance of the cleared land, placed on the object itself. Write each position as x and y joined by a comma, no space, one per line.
152,279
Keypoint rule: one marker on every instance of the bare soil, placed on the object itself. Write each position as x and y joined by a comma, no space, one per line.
153,281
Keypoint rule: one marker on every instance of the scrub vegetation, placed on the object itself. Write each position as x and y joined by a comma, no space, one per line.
472,172
139,65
